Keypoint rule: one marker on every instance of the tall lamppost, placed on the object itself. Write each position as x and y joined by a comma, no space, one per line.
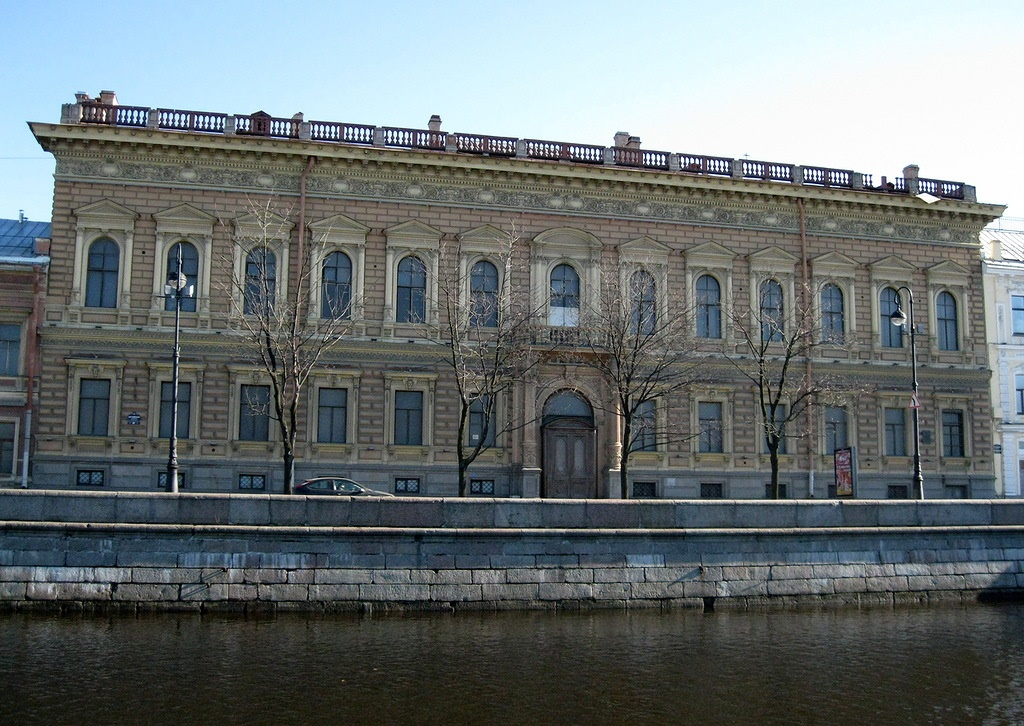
177,287
899,319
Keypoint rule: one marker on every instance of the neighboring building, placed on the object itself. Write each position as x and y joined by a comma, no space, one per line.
1002,249
24,247
133,182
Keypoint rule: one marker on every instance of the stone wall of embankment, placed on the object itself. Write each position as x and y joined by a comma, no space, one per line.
208,551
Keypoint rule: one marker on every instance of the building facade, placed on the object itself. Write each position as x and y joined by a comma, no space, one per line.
1003,266
24,249
376,212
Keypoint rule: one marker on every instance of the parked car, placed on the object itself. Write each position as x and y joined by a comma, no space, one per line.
337,486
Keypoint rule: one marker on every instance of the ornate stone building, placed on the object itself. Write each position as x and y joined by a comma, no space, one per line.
132,183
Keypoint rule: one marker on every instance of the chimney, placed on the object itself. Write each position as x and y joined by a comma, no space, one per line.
911,171
108,98
621,139
434,124
633,142
81,97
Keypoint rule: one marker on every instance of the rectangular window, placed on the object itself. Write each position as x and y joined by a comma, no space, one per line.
710,421
645,428
7,444
254,414
407,486
332,416
1017,302
93,407
161,480
777,427
10,349
481,426
645,490
409,418
1018,384
769,491
711,490
953,434
895,432
955,491
251,481
835,429
483,487
897,491
167,405
89,478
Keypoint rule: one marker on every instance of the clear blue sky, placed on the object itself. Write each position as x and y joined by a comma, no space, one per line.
865,85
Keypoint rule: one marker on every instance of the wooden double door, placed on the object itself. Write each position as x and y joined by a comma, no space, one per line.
569,460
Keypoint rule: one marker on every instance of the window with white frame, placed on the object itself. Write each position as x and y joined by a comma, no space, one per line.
953,433
336,286
10,349
332,416
888,302
1017,307
946,322
643,302
644,428
411,291
836,429
564,305
709,307
833,314
895,432
260,282
93,407
8,442
167,409
481,421
254,413
483,294
101,275
772,312
408,418
189,259
709,423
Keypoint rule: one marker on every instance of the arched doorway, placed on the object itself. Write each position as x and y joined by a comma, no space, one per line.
569,448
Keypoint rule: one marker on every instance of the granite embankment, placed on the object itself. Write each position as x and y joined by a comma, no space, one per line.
101,550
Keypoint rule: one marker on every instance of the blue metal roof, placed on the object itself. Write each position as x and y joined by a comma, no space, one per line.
18,237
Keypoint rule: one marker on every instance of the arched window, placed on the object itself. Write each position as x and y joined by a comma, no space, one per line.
892,335
101,274
833,315
336,287
189,268
709,307
772,320
411,305
946,322
567,404
483,295
260,281
642,299
565,297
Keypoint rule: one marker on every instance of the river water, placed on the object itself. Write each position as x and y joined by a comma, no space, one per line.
950,664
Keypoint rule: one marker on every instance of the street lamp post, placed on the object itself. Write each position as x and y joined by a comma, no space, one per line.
899,319
178,287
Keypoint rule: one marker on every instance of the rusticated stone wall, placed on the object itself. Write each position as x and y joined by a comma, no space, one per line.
197,552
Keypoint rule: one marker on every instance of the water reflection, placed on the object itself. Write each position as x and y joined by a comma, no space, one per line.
937,665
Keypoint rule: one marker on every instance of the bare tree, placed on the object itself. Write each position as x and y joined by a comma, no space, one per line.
642,344
485,339
775,347
272,314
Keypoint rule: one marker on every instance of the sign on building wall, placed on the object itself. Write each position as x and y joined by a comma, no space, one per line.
846,471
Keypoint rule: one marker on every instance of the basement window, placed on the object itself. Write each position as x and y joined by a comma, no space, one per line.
252,481
90,477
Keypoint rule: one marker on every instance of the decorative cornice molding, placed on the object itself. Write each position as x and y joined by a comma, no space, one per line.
713,202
